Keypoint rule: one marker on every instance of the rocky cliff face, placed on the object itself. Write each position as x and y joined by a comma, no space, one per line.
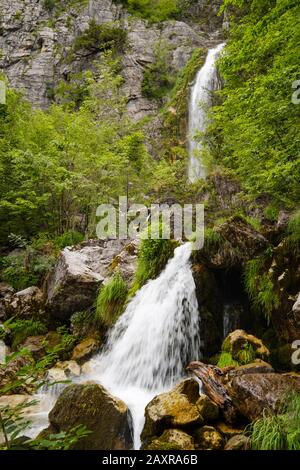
36,44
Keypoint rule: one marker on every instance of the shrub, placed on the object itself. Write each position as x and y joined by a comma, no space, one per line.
101,38
111,300
293,232
69,238
26,270
152,10
278,432
260,287
158,79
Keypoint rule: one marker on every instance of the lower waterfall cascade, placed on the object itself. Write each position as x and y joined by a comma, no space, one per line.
153,341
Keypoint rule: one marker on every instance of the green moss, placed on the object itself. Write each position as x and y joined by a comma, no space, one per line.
226,360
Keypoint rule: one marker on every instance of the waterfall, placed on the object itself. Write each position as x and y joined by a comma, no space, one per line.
153,341
200,99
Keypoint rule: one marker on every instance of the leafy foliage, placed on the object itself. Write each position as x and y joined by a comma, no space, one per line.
255,125
158,79
111,300
152,10
20,329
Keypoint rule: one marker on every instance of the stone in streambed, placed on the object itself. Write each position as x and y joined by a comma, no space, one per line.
174,409
208,438
172,439
90,405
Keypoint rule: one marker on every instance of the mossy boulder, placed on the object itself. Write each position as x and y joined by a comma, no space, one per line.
244,347
172,439
174,409
228,431
90,405
207,409
208,438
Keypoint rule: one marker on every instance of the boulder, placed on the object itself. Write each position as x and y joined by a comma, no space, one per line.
228,431
237,343
172,439
253,393
27,303
207,409
90,405
257,367
174,409
235,242
55,374
80,271
84,350
208,438
240,442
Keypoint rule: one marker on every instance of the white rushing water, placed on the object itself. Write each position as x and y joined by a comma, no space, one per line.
153,341
206,81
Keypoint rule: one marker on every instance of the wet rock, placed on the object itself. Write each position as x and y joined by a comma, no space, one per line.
210,309
55,374
208,438
85,350
238,443
253,393
35,345
239,341
207,409
90,405
174,409
172,439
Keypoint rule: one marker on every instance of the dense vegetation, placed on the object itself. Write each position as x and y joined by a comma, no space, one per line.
255,129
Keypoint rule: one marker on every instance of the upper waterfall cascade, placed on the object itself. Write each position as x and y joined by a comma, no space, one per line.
200,100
